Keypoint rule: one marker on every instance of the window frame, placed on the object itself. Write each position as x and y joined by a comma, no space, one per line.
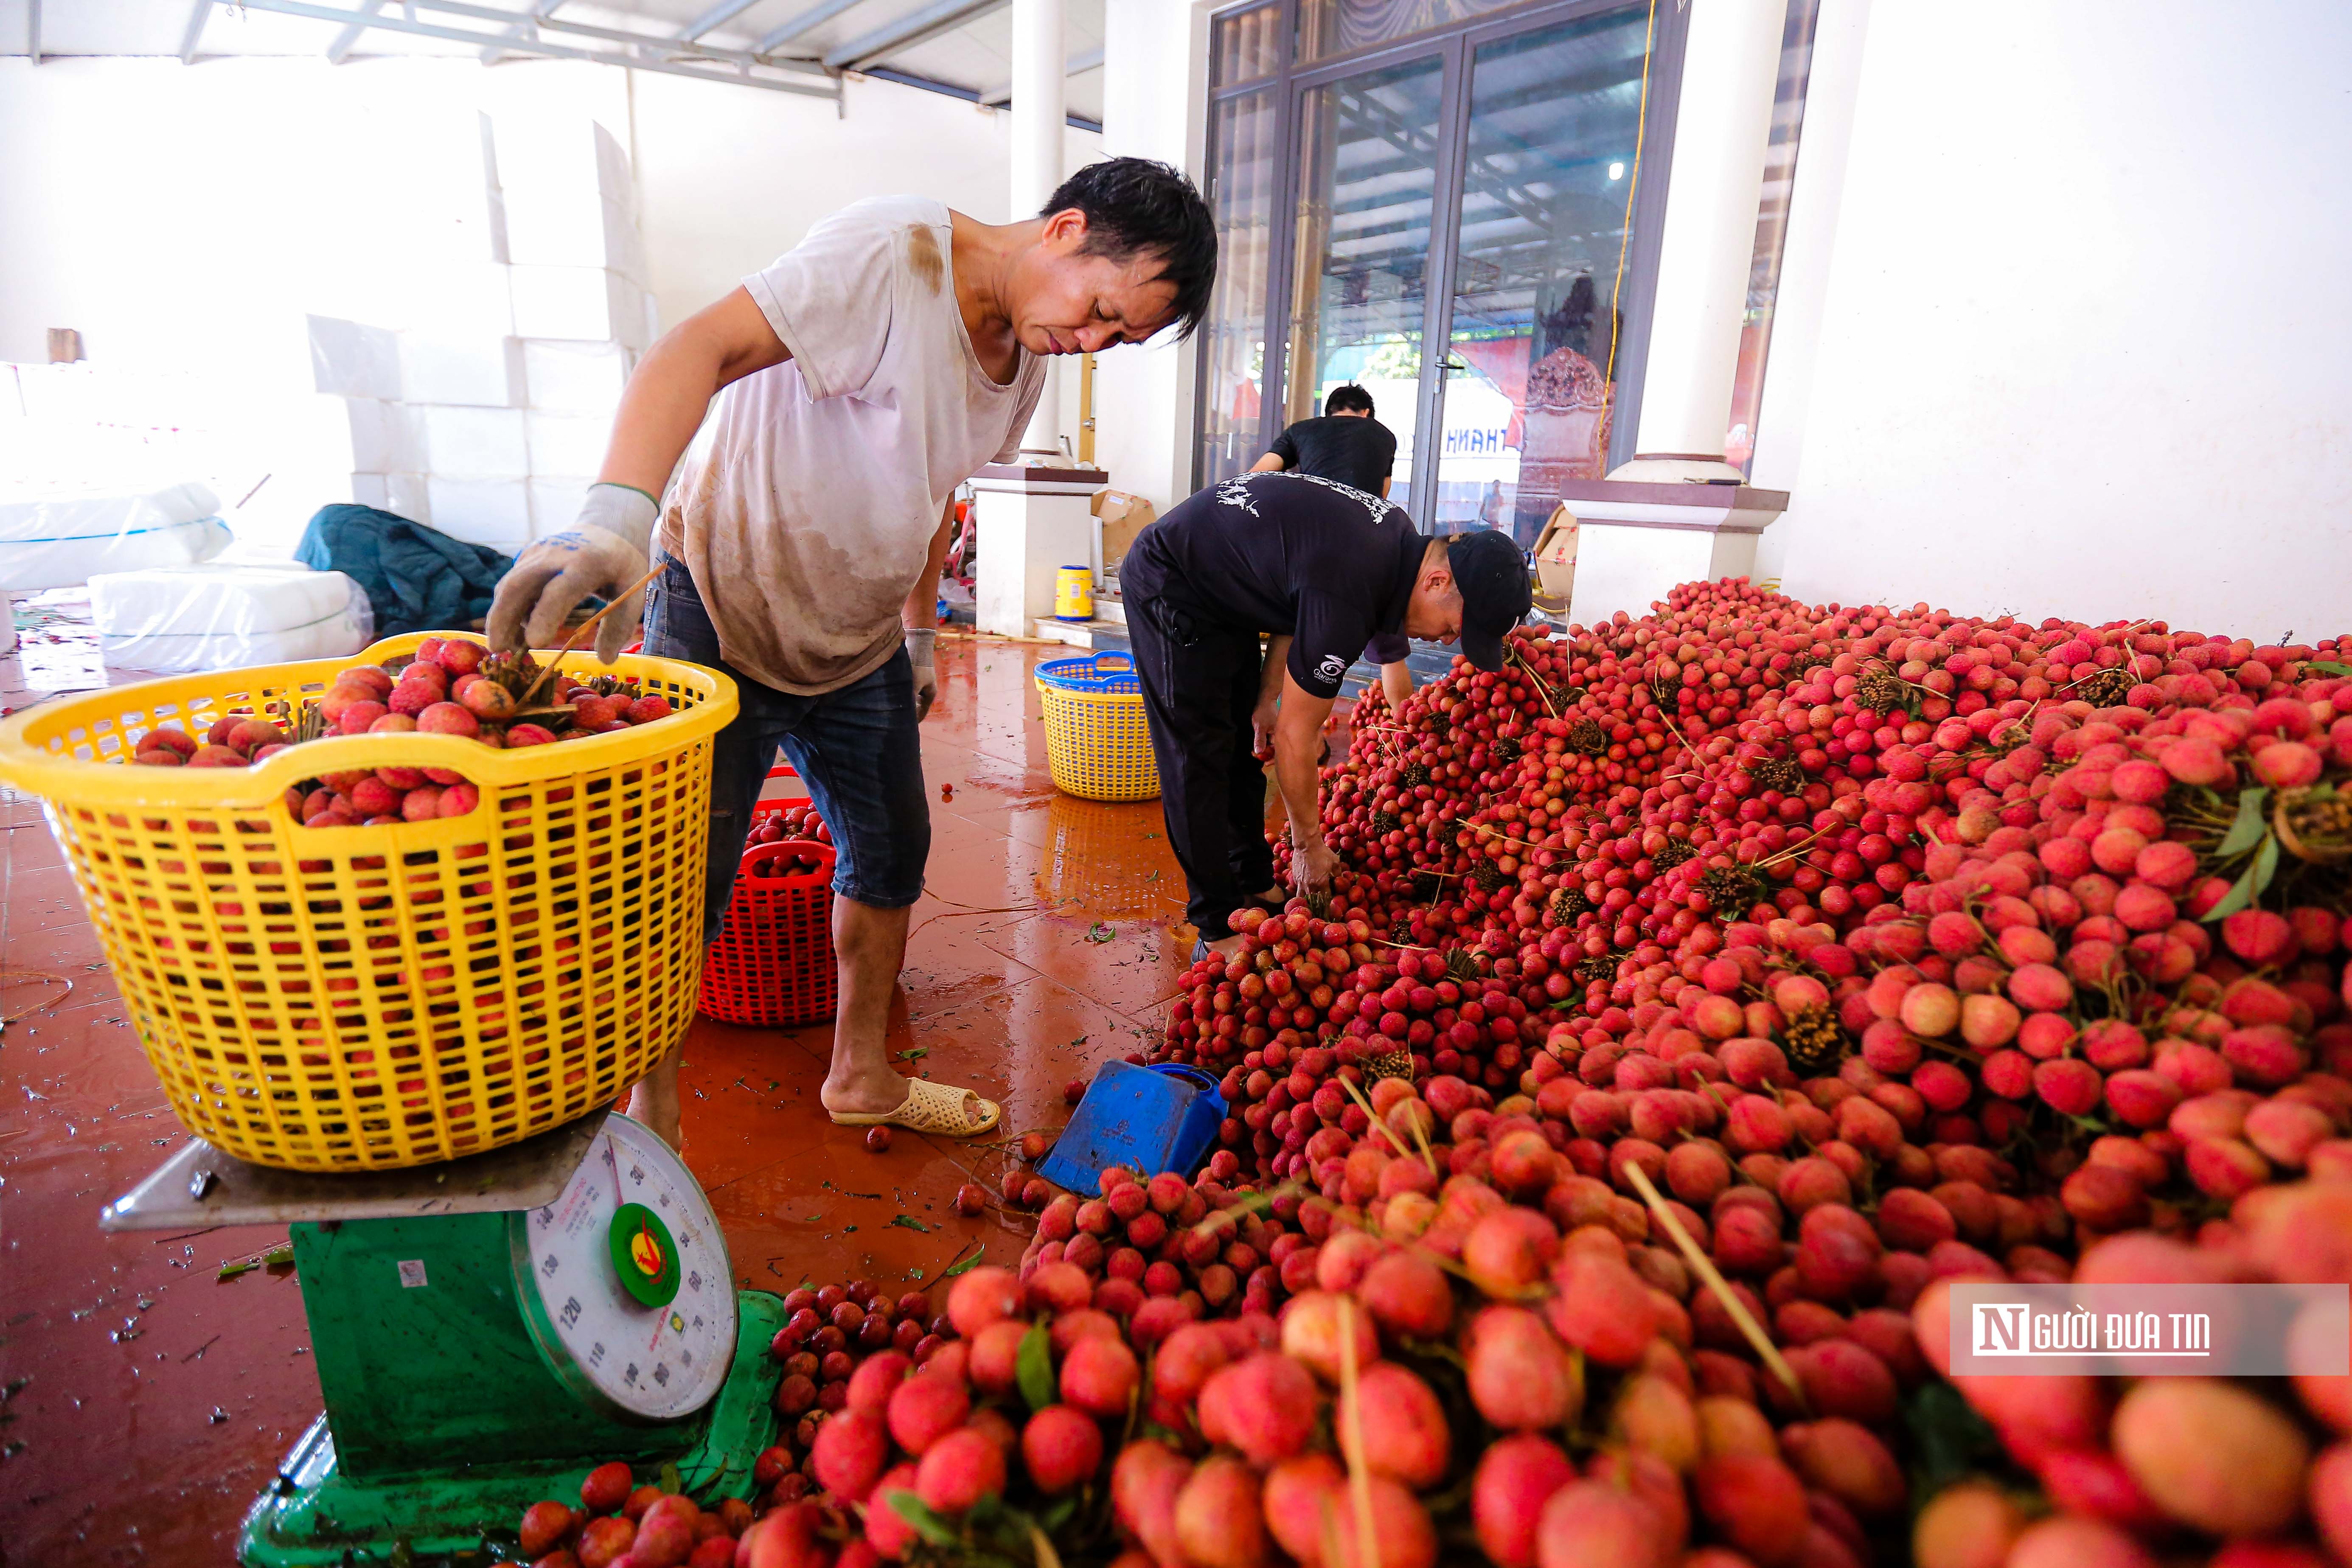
1455,47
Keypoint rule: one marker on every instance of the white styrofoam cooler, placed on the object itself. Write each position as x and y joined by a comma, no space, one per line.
56,540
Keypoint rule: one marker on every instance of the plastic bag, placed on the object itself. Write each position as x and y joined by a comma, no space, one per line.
224,616
54,541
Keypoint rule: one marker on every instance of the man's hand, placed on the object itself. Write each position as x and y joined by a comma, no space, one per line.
922,643
1262,720
1311,866
603,554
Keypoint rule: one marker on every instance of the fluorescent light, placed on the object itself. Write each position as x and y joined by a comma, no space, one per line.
1616,171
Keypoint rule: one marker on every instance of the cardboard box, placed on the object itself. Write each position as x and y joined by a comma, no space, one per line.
1123,517
1556,561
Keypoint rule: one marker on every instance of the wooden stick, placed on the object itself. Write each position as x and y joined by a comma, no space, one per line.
631,592
1699,1261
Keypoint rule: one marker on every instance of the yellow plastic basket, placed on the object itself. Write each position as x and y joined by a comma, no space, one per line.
1096,738
365,998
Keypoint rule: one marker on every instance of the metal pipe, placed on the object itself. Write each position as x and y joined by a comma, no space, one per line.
535,46
197,18
908,31
815,17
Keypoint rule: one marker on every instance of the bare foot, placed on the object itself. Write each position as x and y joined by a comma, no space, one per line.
869,1090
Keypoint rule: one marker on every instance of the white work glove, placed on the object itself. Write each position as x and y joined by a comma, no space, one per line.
603,554
921,645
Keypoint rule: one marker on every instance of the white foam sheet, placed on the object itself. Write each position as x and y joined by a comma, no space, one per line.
220,616
54,541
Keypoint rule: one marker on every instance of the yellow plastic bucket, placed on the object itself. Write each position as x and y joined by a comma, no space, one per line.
1074,594
1097,740
365,998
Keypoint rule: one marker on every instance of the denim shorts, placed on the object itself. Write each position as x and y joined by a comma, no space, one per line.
857,749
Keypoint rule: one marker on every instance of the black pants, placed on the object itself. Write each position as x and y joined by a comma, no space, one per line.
1200,684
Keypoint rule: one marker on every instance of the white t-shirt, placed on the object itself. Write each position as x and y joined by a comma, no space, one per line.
806,504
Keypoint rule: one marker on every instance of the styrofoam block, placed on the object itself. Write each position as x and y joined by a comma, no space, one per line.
567,443
560,153
476,371
385,436
494,206
409,496
349,359
496,512
578,302
475,443
556,227
555,503
471,301
565,377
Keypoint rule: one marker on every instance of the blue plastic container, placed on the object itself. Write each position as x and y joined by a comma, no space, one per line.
1147,1119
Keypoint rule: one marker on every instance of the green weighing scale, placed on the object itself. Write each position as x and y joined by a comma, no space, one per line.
489,1329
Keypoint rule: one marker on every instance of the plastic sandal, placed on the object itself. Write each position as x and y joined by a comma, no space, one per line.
932,1107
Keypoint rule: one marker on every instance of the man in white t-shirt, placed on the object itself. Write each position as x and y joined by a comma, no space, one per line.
859,381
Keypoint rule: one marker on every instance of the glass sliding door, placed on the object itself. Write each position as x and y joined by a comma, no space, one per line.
1540,251
1242,132
1366,173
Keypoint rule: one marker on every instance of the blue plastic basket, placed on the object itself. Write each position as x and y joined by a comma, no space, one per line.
1106,673
1148,1119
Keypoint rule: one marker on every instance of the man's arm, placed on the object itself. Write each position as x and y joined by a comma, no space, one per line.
671,390
920,616
1271,463
1385,482
1396,682
1269,692
604,552
1297,749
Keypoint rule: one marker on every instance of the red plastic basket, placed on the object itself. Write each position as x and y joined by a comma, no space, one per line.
772,964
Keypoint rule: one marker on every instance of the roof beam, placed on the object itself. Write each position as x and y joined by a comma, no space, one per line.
920,26
523,29
719,15
1076,65
194,34
815,17
348,39
740,75
33,29
968,94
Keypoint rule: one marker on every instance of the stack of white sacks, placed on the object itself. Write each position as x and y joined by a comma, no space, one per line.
489,422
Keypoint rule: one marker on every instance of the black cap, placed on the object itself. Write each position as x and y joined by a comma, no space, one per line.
1492,576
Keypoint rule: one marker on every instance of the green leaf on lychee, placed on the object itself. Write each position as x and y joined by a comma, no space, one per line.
2252,822
919,1516
1035,1367
911,1223
965,1267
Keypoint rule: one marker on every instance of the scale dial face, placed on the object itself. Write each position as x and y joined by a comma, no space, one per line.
625,1280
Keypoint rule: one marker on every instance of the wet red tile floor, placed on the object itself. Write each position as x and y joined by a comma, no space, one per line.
144,1401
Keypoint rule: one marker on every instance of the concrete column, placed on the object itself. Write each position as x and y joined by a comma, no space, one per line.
1040,105
1155,95
1731,65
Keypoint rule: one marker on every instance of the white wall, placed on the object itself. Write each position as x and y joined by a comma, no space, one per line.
729,179
2084,345
185,220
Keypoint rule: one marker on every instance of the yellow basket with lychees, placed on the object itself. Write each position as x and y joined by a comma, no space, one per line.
483,929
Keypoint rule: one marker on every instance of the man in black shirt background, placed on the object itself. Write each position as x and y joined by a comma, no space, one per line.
1323,567
1348,444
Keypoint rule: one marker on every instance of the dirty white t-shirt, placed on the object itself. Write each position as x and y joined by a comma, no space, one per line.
806,505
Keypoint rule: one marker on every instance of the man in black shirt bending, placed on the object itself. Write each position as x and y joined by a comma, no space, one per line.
1323,568
1351,445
